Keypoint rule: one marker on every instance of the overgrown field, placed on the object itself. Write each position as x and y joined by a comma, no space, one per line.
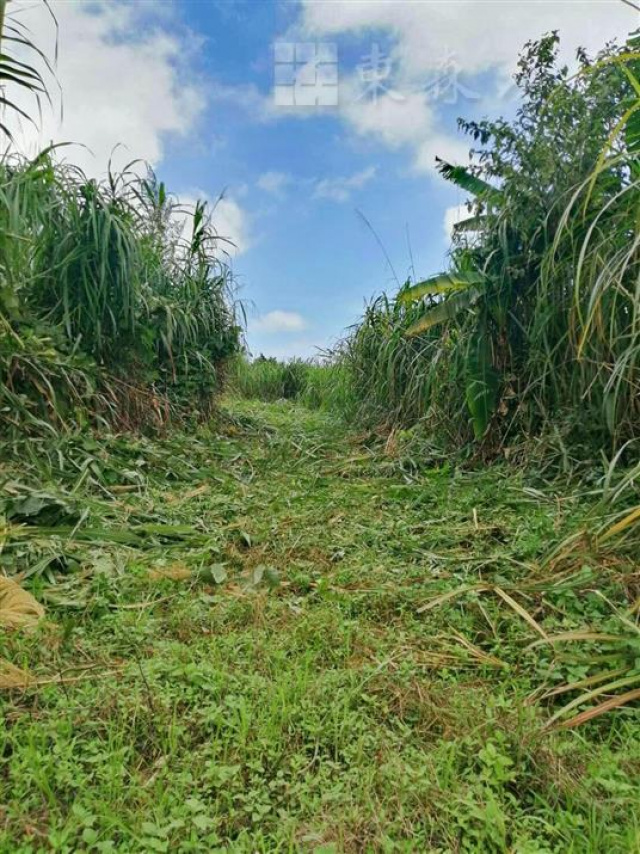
534,326
116,304
270,632
275,636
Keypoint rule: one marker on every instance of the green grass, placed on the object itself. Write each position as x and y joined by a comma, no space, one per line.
108,313
318,385
117,304
304,702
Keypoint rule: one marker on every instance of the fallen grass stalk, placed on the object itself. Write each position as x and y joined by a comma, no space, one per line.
276,635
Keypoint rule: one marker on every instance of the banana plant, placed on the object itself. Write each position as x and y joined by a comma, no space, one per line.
461,288
460,291
467,289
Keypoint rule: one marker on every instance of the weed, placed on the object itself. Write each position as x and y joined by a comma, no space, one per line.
236,653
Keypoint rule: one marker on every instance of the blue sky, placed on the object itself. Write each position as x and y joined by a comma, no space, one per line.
191,86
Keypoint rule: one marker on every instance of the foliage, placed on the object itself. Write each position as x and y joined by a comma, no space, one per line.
105,304
269,634
316,384
115,303
536,323
17,75
237,654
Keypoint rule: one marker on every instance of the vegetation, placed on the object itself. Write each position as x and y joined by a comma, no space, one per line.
316,384
115,303
269,636
536,323
318,619
108,312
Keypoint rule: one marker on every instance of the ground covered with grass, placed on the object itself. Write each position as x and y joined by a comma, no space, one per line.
274,636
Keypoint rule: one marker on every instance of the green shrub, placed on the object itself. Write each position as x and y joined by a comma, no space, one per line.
535,326
97,278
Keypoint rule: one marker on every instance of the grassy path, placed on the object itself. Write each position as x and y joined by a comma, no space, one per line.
236,623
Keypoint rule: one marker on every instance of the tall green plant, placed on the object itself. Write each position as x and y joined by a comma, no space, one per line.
473,287
542,296
97,270
16,75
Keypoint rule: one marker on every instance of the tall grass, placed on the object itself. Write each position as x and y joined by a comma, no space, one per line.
536,326
269,379
115,303
111,296
530,343
317,385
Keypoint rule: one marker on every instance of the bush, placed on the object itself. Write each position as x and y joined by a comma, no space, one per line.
102,280
535,325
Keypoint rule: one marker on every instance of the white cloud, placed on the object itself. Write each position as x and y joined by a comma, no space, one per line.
121,75
394,120
278,321
400,120
340,189
478,34
274,182
458,39
230,220
246,97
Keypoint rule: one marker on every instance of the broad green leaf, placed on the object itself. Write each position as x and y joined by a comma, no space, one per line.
218,573
482,381
443,311
213,574
40,509
472,223
632,132
464,179
442,283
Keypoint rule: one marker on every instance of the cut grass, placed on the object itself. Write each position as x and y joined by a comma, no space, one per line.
236,653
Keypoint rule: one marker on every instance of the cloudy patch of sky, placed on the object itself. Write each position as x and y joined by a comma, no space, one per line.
189,87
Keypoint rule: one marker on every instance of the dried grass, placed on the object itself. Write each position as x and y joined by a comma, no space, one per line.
18,609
